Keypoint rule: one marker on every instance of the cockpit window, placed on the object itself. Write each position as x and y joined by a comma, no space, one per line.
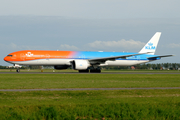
9,55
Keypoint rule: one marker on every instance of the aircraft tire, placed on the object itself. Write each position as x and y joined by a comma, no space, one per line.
84,71
95,71
18,70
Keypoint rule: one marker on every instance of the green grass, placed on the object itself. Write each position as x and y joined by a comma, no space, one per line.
37,81
116,104
87,97
112,104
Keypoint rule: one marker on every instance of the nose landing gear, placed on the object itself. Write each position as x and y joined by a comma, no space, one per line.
17,70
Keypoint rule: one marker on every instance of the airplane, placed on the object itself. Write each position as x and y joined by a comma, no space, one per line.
85,61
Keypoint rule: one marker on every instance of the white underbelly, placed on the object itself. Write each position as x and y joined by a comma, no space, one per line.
68,62
45,62
123,62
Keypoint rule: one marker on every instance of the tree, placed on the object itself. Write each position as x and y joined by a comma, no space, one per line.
154,66
149,66
158,66
174,66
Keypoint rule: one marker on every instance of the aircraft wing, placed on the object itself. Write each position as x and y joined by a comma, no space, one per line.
160,56
104,59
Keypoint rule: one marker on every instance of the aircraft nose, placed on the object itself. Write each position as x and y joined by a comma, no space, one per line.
5,59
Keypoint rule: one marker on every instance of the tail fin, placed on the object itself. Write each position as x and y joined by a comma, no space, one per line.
152,44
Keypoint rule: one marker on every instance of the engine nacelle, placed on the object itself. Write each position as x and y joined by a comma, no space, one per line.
60,67
80,64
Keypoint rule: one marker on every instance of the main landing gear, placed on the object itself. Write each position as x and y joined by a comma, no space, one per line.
95,71
84,71
91,71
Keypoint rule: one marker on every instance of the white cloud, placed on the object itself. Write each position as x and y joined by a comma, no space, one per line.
127,44
174,45
68,47
171,45
14,47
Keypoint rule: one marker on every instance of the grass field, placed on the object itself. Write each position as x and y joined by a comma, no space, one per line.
113,104
37,81
76,71
124,104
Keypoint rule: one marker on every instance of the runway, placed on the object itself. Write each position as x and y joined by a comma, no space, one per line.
90,73
83,89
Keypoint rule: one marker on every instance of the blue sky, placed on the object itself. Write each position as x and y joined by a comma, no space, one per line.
89,25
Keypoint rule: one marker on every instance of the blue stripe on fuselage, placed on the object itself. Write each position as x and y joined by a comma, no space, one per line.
92,55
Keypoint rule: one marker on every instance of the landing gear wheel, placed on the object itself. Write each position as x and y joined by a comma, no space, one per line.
83,71
18,70
95,71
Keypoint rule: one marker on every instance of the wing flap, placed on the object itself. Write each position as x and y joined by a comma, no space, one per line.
104,59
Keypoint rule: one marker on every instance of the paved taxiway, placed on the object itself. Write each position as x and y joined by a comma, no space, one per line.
82,89
90,73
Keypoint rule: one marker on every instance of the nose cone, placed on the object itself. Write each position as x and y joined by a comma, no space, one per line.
5,59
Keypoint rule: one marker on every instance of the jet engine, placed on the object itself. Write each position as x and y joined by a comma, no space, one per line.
80,64
60,67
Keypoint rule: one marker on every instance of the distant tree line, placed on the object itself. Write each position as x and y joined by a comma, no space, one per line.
3,67
171,66
158,66
6,67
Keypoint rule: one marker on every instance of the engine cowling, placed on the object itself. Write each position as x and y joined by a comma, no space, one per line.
80,64
60,67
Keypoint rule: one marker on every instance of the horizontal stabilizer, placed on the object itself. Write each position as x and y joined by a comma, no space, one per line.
160,56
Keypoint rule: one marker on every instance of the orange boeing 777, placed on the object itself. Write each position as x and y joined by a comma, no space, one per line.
81,61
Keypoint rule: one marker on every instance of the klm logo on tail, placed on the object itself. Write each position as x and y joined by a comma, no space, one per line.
150,46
